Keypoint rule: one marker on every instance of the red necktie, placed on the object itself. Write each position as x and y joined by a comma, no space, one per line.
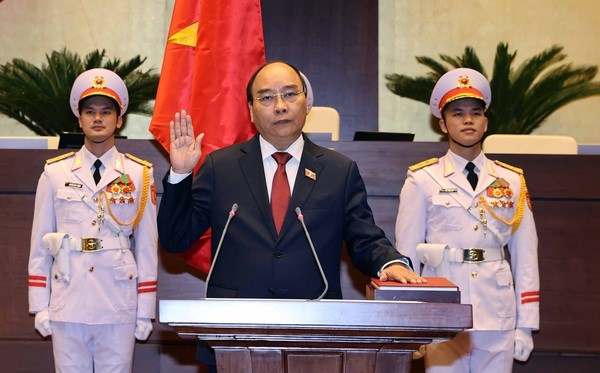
280,192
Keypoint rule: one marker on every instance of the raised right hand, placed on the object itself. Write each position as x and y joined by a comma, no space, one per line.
185,150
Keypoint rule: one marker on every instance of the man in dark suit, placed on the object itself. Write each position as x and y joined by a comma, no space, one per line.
262,255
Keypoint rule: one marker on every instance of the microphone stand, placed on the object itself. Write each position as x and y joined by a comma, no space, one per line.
312,247
212,266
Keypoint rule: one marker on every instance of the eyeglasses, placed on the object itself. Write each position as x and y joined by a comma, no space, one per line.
269,99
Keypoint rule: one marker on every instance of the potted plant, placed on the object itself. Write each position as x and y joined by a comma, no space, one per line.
39,97
522,97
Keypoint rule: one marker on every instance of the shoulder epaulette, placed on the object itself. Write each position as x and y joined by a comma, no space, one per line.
60,157
139,160
512,168
426,163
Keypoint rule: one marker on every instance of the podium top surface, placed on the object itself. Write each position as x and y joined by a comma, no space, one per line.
318,314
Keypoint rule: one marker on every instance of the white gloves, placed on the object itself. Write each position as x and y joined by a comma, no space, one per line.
43,323
143,327
523,343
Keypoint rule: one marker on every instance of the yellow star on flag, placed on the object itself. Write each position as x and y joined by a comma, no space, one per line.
186,36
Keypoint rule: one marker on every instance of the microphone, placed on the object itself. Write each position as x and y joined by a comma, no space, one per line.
234,208
312,247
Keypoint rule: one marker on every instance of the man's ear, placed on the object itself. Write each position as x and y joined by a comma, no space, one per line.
119,121
443,127
251,112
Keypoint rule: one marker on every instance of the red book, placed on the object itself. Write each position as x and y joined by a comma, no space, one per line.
436,290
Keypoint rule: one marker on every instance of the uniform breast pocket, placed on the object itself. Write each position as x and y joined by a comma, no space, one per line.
445,213
69,206
123,212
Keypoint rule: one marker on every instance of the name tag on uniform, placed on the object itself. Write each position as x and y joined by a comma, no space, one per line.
448,190
73,185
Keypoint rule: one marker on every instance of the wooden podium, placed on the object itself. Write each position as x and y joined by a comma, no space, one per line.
259,335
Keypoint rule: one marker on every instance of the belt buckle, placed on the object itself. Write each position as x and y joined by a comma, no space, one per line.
89,245
472,255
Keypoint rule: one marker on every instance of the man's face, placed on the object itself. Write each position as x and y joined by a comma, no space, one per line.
465,122
279,121
98,119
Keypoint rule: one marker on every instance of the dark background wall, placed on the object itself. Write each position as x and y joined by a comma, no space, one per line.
334,43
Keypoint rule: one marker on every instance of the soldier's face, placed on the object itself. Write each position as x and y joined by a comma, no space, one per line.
465,122
99,119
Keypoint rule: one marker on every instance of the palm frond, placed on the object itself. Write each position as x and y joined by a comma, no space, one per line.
39,97
414,88
522,98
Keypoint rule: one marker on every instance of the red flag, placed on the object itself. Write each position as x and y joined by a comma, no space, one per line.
213,48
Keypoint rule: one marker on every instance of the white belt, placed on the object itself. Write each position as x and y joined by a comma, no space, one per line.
475,255
92,244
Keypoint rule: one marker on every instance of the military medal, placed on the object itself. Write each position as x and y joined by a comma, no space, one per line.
121,190
500,193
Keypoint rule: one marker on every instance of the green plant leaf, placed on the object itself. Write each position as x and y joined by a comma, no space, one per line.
522,97
38,97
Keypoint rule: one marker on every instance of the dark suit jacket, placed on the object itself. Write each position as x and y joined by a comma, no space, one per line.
254,262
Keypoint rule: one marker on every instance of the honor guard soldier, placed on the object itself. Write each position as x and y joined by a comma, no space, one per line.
93,259
457,214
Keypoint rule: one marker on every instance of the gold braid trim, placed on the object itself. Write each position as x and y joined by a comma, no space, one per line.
142,202
59,158
425,163
519,210
143,197
138,160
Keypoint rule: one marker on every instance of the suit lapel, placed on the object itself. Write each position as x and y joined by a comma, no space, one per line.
83,171
113,170
456,176
488,176
309,169
251,165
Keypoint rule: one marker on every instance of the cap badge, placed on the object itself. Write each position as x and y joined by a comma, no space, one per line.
463,81
99,82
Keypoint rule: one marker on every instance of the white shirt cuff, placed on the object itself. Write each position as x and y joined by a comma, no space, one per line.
175,178
402,261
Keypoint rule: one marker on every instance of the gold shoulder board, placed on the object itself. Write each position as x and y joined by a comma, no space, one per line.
60,157
426,163
507,166
139,160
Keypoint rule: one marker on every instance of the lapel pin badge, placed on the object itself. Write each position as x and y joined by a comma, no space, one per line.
310,174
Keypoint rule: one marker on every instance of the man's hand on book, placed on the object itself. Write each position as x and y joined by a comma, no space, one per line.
400,273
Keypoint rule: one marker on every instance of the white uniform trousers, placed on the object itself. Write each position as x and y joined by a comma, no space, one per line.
99,348
490,351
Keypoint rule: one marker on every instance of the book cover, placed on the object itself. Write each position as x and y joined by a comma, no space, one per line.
436,290
433,283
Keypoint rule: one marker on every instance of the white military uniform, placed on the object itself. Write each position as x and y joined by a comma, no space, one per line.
115,284
439,206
